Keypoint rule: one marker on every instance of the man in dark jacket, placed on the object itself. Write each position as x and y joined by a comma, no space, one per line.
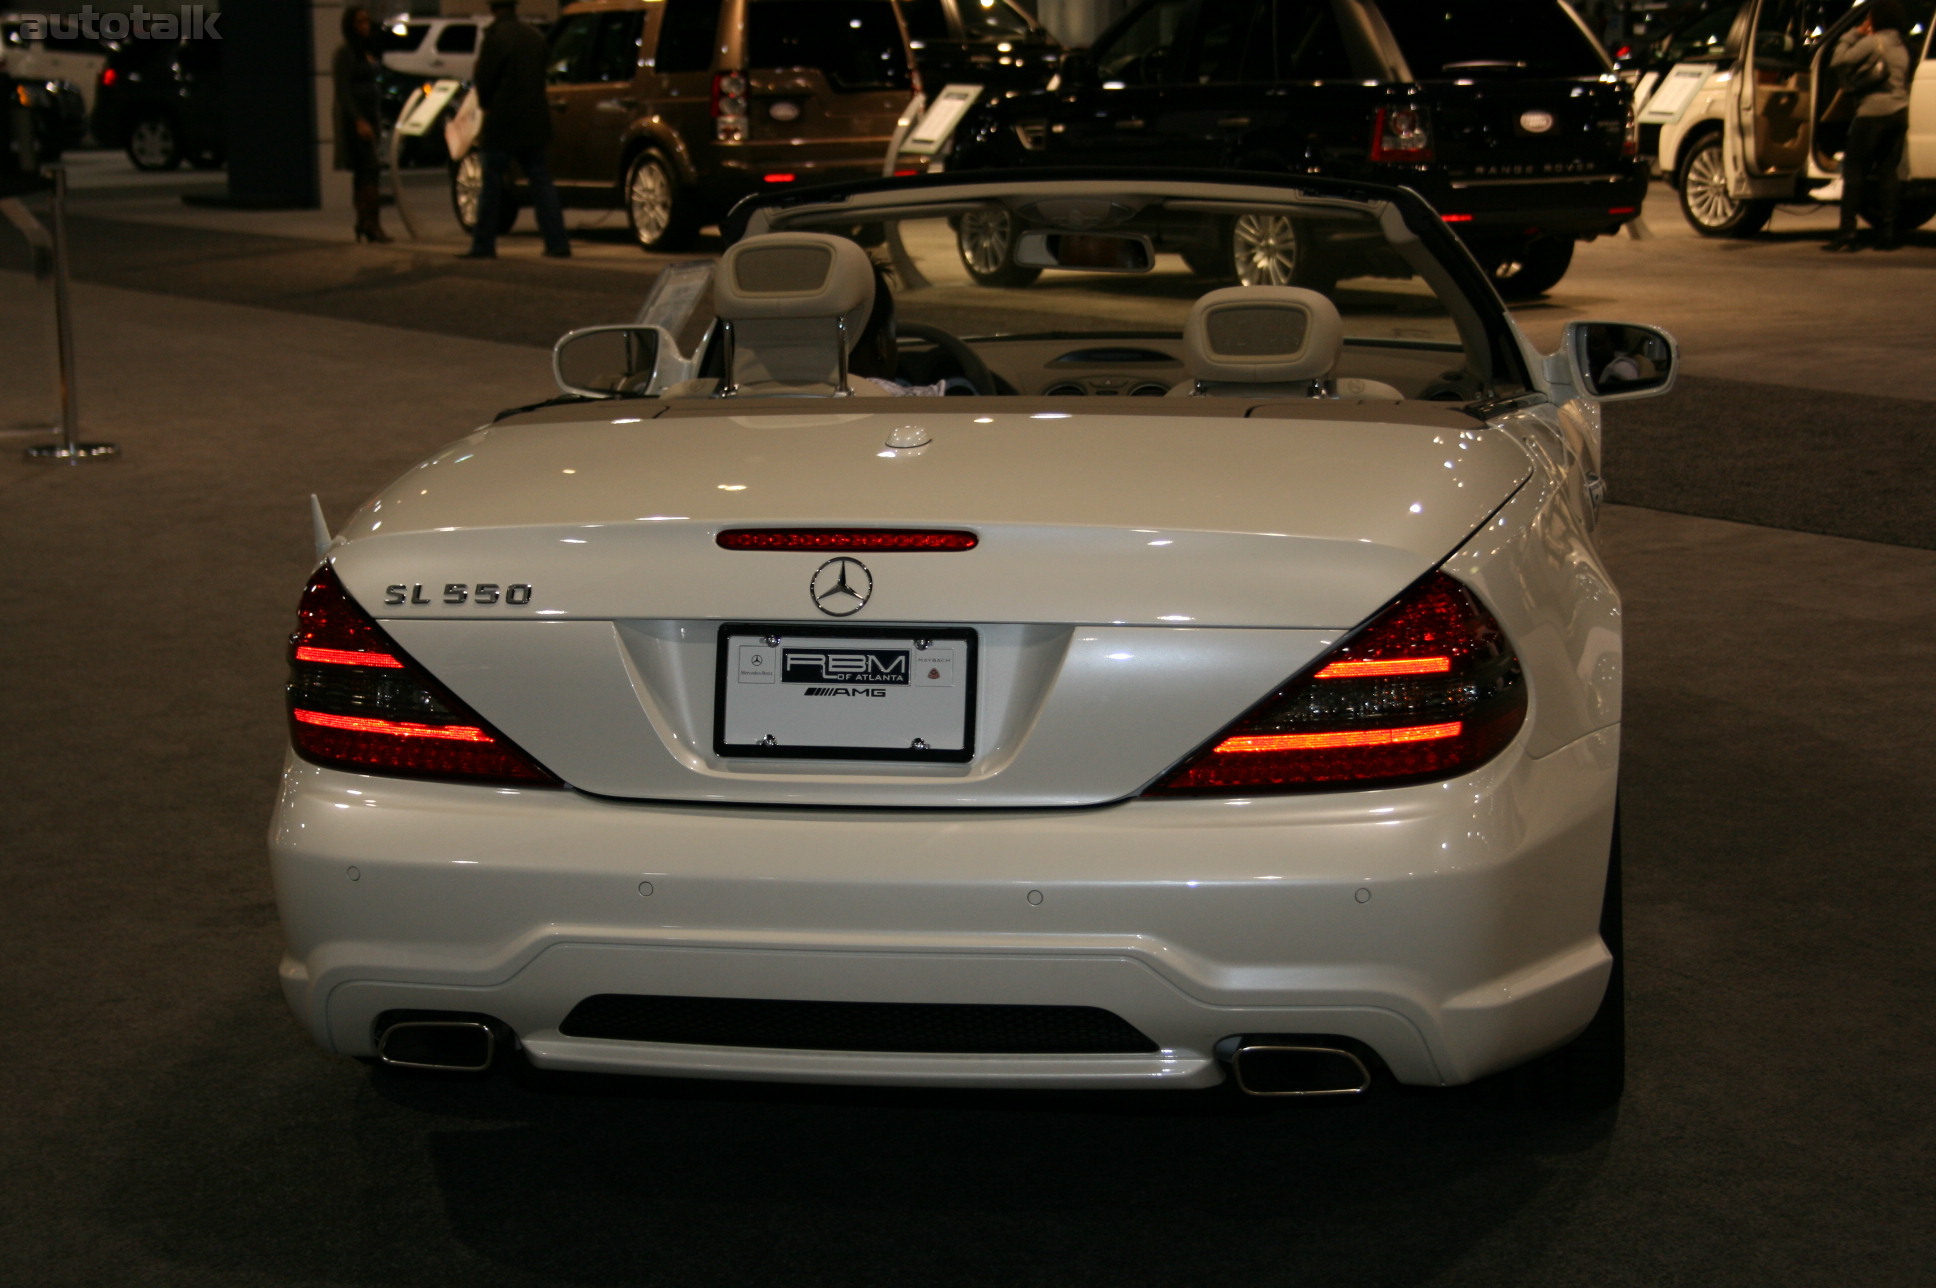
510,80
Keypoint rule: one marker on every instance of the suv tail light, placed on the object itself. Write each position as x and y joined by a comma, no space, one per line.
730,107
357,701
1427,689
1401,134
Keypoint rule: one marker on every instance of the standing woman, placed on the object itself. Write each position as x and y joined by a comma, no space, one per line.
355,71
1873,156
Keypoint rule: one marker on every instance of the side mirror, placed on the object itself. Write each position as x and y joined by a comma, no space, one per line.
613,361
1617,360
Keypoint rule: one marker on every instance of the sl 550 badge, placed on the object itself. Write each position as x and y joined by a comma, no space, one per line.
457,592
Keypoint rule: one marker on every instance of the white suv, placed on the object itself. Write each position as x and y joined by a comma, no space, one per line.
1755,123
435,47
74,59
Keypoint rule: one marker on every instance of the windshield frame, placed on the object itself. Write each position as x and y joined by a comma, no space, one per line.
1499,346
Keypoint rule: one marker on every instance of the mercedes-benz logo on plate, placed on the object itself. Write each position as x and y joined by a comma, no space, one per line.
1536,122
841,587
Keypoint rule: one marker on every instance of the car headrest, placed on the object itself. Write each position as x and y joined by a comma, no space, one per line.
790,298
795,275
1262,335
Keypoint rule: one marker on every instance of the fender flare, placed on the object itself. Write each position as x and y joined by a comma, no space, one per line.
652,136
1685,143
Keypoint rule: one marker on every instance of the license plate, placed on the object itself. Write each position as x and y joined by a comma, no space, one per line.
856,694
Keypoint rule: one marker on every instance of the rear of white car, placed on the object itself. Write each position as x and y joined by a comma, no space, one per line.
1318,753
434,48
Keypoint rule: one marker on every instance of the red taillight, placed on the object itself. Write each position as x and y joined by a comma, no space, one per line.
1456,219
108,77
356,701
392,728
730,106
1392,666
878,540
779,178
1427,689
345,657
1401,134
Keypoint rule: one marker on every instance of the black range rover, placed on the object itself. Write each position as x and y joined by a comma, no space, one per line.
1505,114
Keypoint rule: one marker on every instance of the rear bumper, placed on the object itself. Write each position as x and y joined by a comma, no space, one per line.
1507,208
1451,927
737,172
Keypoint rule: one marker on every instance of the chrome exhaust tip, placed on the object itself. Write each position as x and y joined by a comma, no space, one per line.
446,1046
1276,1068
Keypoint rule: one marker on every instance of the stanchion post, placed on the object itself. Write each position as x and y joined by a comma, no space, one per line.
397,201
68,449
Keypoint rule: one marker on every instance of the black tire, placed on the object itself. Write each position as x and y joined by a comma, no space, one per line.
1589,1073
1211,263
985,240
663,213
1703,184
1914,214
1910,215
466,182
1531,269
154,143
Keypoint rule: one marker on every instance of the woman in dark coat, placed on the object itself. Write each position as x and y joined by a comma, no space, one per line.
355,71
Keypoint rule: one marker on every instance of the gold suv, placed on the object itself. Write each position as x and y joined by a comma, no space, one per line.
675,109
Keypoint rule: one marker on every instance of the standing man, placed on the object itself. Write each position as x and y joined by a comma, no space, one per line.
1873,54
510,82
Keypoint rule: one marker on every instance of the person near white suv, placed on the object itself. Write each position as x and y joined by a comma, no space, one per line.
1873,62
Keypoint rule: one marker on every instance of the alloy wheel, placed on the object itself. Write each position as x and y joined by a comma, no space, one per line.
649,195
466,189
152,144
985,239
1705,189
1263,250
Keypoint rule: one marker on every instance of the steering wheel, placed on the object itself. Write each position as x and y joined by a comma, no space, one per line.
1453,386
973,369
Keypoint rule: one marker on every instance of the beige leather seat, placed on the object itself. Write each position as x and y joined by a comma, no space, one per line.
1268,342
791,307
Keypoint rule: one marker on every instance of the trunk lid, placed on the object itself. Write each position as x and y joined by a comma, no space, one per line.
1082,517
1139,580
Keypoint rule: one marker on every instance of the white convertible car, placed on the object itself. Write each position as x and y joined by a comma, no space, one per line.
1213,683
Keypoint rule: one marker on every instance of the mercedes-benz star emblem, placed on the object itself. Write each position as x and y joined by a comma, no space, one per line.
841,587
